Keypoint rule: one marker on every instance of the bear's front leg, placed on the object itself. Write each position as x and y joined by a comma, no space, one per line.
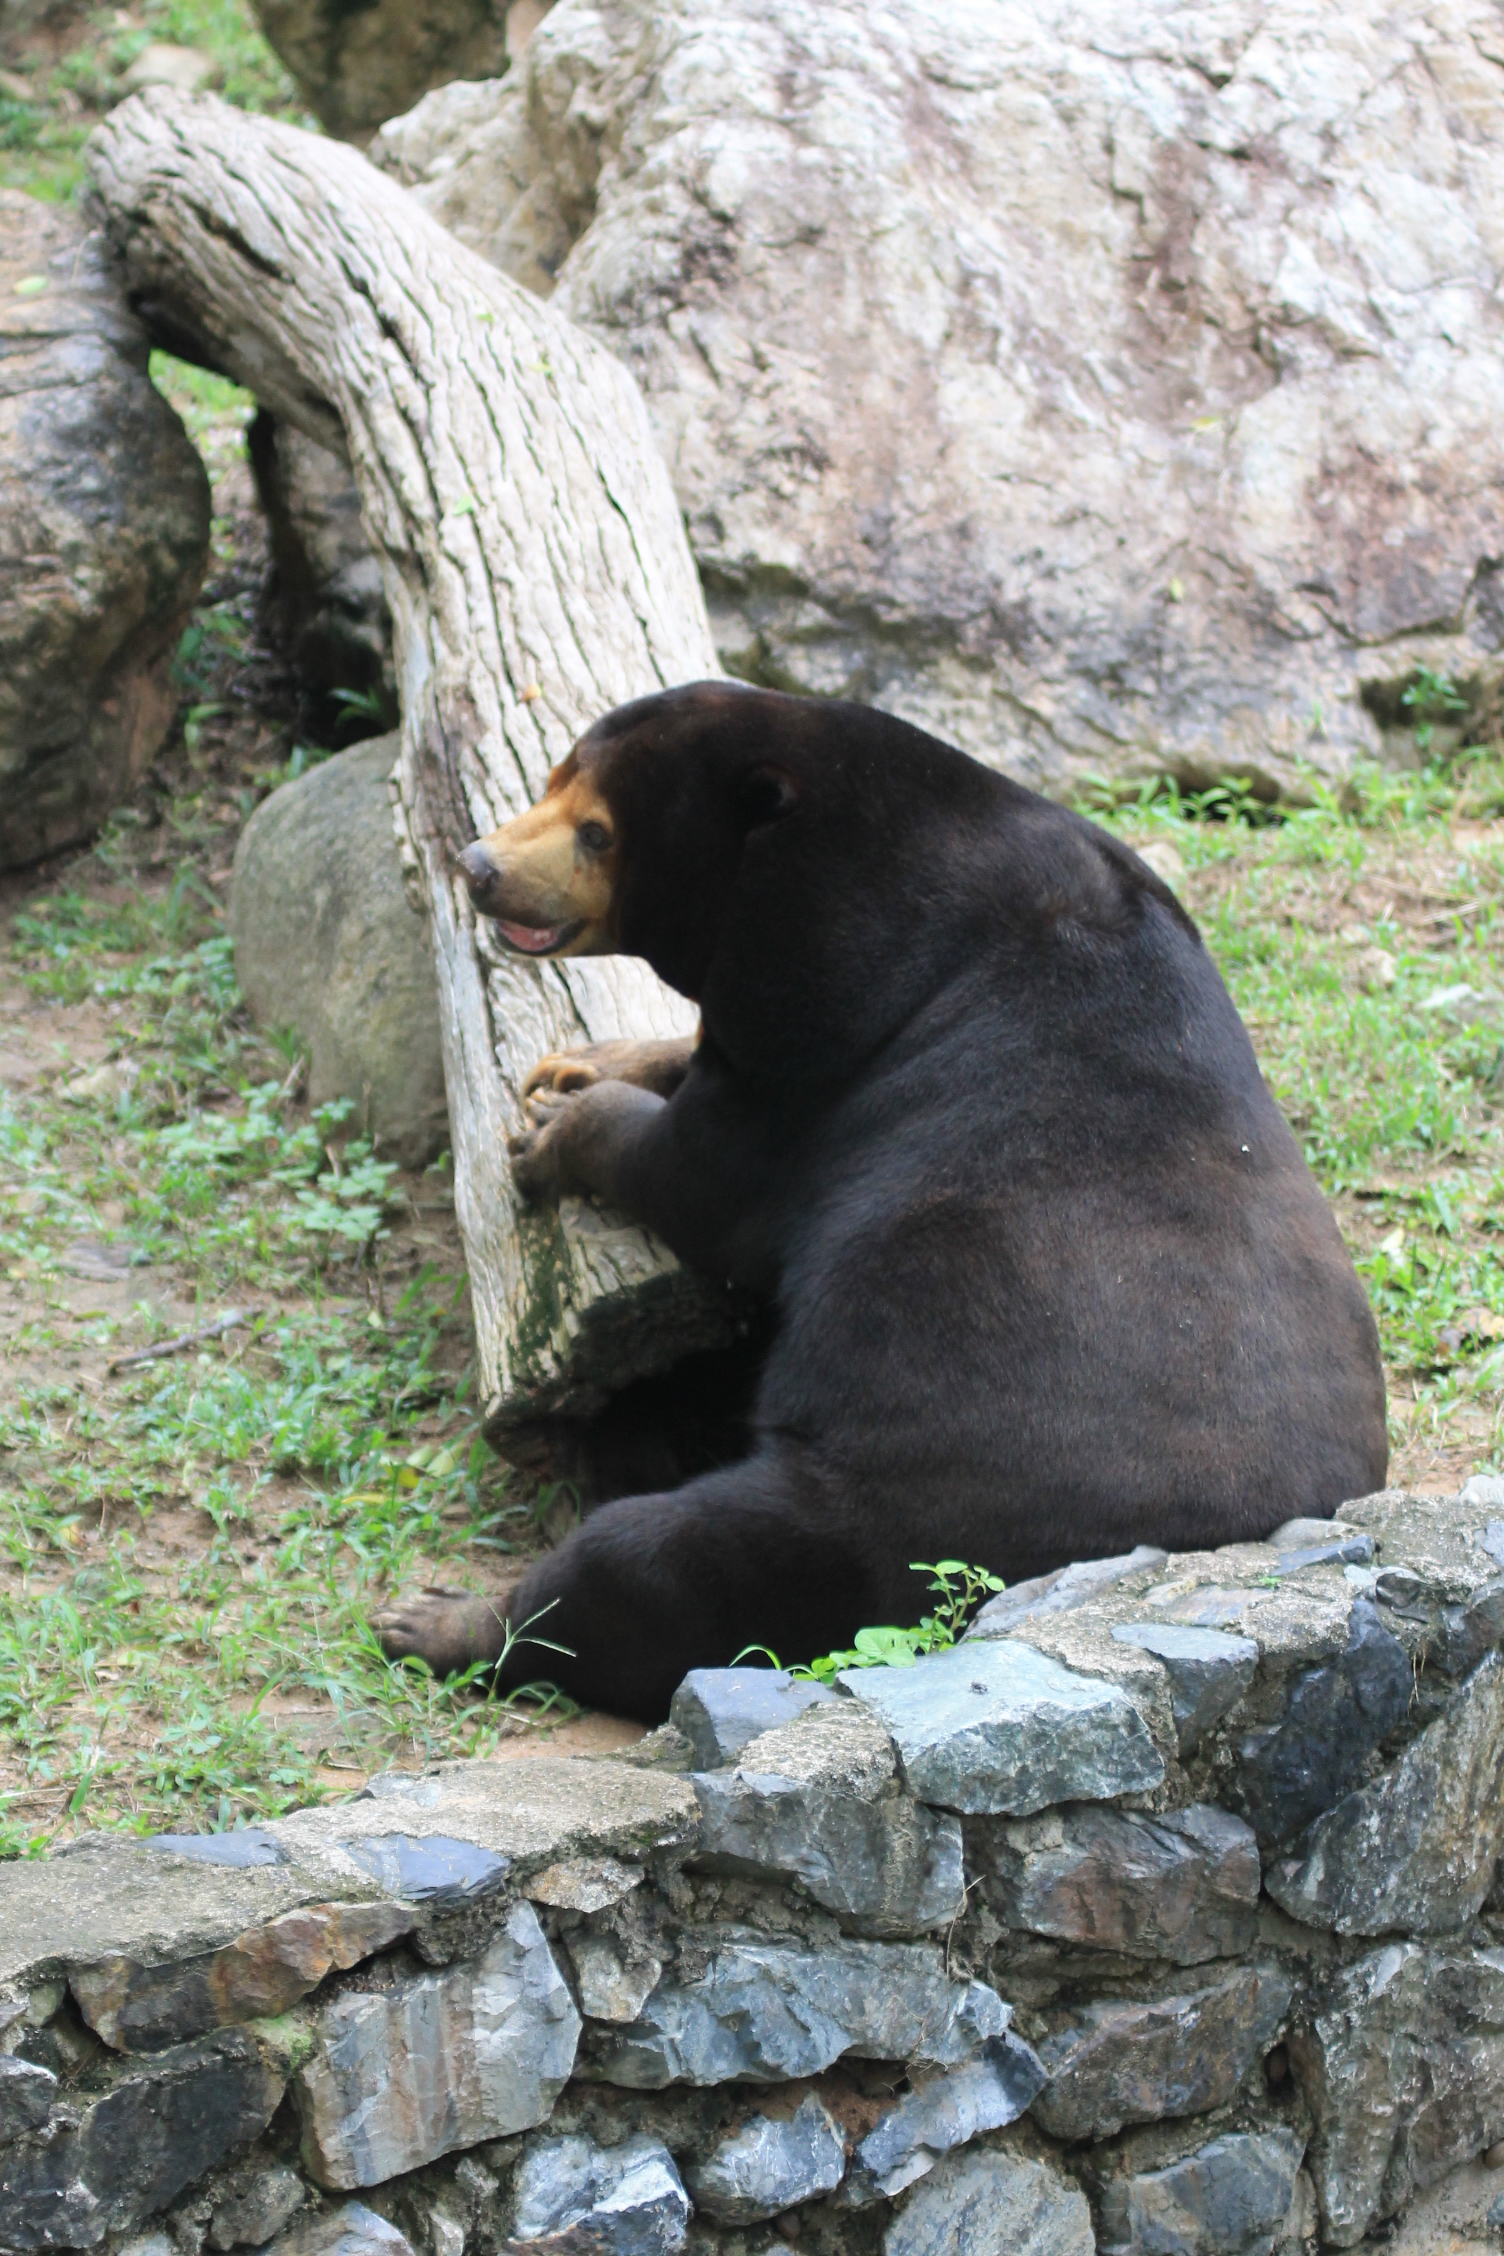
586,1141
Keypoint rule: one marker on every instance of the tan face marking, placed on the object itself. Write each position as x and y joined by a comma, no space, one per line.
556,868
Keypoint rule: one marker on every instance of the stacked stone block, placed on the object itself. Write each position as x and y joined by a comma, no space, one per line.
1158,1918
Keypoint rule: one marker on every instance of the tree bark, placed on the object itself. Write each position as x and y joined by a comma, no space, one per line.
537,573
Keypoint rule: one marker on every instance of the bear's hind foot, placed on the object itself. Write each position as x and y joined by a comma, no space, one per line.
449,1629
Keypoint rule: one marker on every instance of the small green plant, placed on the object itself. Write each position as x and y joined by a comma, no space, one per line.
1431,697
957,1587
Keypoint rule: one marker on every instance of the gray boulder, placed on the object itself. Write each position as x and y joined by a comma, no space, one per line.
983,2202
121,2157
1232,2198
941,2113
1209,1671
767,2166
104,536
327,943
573,2198
996,1727
1182,1887
1400,2058
1220,268
819,1801
767,2012
1416,1849
504,2027
356,66
719,1710
1139,2060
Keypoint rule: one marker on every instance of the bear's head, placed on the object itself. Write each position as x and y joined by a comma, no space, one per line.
806,871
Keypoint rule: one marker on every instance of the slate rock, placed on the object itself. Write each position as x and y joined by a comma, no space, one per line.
1334,1715
767,2167
1182,1887
140,2007
767,2012
327,943
114,1896
158,2128
547,1811
941,2113
612,1985
998,1727
585,1883
1140,2060
104,535
433,1871
1400,2057
719,1710
26,2096
244,1849
984,2202
1061,1592
1416,1849
350,2229
819,1801
1209,1671
1439,1580
573,2198
259,2207
504,2027
1229,2199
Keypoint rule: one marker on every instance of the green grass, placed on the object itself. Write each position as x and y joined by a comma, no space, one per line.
336,1432
73,83
1396,1095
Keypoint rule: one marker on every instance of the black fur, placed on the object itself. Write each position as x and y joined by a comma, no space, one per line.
975,1111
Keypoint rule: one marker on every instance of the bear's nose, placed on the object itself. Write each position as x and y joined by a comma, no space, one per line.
477,869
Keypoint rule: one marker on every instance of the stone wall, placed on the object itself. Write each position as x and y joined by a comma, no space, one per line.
1159,1917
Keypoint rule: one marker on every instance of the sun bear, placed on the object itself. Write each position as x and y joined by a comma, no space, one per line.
973,1111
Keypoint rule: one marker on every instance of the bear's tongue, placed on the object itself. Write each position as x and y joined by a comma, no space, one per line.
532,939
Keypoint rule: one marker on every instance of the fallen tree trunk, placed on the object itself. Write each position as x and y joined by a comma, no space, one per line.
537,573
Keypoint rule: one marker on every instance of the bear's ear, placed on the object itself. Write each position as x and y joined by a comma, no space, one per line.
765,795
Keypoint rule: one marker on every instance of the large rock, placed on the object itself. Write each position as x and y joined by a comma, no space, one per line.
1229,2199
978,2204
1000,1728
1209,1672
1138,2061
572,2198
766,2012
1418,1848
818,1800
767,2166
328,943
1401,2059
1104,390
1333,1716
357,65
504,2028
106,2165
104,535
144,2007
941,2113
1183,1887
719,1710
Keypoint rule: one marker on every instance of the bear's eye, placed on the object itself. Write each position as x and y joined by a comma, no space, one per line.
594,837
